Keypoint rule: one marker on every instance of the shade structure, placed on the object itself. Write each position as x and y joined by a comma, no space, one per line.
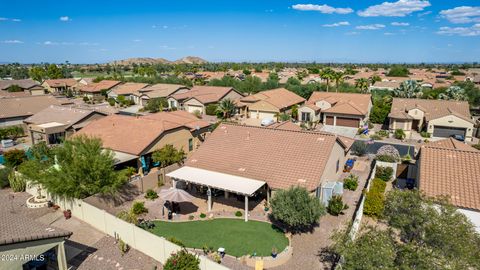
175,195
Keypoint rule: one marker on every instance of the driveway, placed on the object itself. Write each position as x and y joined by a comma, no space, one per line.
343,131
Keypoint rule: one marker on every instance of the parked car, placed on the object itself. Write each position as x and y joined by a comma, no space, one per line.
267,122
458,137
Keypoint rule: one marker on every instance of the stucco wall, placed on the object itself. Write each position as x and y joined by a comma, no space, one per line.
473,216
313,117
330,173
178,138
322,104
451,121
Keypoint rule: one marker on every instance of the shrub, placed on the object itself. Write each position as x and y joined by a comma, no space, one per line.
388,153
151,194
123,246
296,208
351,182
359,148
375,199
86,99
238,214
360,131
17,182
182,260
376,137
378,185
14,157
198,114
211,109
4,173
385,158
202,215
425,134
335,205
370,125
382,133
176,241
476,146
128,216
407,157
111,101
399,134
191,217
139,208
384,173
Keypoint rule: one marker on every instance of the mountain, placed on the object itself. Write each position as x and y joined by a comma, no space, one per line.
149,60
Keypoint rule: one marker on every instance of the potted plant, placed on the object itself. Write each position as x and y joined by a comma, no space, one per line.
67,214
274,252
266,208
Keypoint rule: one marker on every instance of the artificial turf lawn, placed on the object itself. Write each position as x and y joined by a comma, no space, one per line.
235,235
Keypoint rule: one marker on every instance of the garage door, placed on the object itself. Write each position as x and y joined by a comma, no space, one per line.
192,109
262,115
440,131
348,122
329,120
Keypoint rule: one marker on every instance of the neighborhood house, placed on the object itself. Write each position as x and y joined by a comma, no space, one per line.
60,86
24,87
200,96
95,91
160,90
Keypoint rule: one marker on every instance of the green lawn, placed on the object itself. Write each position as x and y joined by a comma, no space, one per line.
235,235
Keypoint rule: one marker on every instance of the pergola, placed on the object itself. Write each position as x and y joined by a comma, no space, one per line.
210,179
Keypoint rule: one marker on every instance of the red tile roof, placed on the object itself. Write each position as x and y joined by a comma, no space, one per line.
343,103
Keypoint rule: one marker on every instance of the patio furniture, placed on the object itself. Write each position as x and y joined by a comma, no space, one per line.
175,195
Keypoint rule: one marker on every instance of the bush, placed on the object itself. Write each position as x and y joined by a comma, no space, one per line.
128,216
111,101
351,182
4,173
139,208
182,260
384,173
211,109
385,158
425,134
382,133
14,157
376,137
399,134
238,214
359,148
202,215
388,153
151,194
123,246
176,241
296,208
17,182
198,114
335,205
476,146
375,199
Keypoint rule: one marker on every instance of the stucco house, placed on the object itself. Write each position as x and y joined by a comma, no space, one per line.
134,139
55,123
60,86
440,118
268,104
337,109
28,87
126,89
200,96
159,90
94,91
452,168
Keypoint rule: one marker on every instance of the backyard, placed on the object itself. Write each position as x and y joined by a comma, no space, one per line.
235,235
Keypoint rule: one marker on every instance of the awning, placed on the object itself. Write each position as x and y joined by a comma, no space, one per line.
231,183
120,157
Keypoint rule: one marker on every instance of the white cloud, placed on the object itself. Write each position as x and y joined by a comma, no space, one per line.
400,8
137,40
16,20
55,43
389,34
471,31
8,19
370,27
463,14
86,44
49,43
326,9
3,19
336,24
12,41
400,24
424,13
65,19
352,33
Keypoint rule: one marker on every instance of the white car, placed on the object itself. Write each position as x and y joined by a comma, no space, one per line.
267,122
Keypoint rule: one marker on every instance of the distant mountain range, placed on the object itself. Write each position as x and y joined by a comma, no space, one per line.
148,60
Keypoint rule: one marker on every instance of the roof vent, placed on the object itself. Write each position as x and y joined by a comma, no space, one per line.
193,160
248,135
320,139
451,156
302,180
241,169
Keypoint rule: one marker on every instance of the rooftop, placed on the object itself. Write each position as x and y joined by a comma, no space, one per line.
61,82
280,98
29,105
160,90
25,84
346,103
204,94
128,88
60,114
432,108
99,86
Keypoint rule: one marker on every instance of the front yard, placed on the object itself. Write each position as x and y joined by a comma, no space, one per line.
235,235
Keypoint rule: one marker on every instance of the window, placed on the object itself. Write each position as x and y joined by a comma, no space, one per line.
172,104
305,116
338,166
190,144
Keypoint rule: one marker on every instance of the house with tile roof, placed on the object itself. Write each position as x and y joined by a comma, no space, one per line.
94,91
451,168
246,160
337,109
268,104
126,89
61,86
28,87
134,139
55,123
200,96
159,90
440,118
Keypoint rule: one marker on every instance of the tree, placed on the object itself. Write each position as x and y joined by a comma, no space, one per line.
362,84
398,71
296,208
226,107
246,72
168,155
37,73
156,104
408,89
14,157
338,79
359,148
82,168
453,93
182,260
327,75
54,72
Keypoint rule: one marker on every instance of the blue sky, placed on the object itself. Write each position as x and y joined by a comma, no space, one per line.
248,30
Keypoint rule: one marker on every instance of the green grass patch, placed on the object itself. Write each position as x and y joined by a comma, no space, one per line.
236,236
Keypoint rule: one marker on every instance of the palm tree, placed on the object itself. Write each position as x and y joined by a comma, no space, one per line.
226,107
337,78
408,89
327,75
362,84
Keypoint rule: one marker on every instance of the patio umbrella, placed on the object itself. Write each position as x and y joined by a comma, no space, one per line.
175,195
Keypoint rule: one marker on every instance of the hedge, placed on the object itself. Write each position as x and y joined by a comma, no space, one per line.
375,198
211,109
384,173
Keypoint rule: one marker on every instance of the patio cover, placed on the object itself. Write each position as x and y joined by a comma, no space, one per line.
120,157
231,183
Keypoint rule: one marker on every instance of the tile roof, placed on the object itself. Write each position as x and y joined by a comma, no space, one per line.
453,172
432,108
386,84
61,82
280,98
261,154
160,90
286,125
128,88
345,103
60,114
17,228
25,84
26,106
451,143
6,94
204,94
180,117
98,87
